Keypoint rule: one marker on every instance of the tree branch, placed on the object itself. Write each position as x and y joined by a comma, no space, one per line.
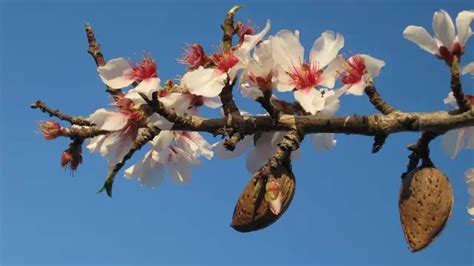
420,151
95,52
456,87
43,107
147,135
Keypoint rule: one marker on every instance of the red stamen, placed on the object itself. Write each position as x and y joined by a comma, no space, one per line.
354,70
305,76
145,70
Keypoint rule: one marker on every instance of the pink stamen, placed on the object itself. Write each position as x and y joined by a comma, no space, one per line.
145,70
244,29
194,56
225,61
354,70
305,76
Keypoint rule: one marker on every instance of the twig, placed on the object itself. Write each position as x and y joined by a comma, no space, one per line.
231,111
377,101
147,135
73,120
456,87
95,52
420,151
82,133
266,103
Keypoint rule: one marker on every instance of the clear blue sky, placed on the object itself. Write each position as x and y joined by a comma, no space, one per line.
345,209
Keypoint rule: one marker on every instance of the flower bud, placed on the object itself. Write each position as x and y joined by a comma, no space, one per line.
264,200
50,129
425,204
72,157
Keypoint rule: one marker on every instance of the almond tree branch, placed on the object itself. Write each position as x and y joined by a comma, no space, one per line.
420,151
82,133
266,103
95,52
73,120
456,87
231,111
147,135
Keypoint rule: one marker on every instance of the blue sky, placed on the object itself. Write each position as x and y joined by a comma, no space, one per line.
345,210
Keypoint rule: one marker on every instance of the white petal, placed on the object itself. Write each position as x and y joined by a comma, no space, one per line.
324,141
284,82
469,177
326,48
470,138
107,120
463,22
331,102
179,101
373,65
443,27
147,87
253,162
96,143
451,100
204,82
148,171
251,40
420,36
250,90
328,78
468,69
240,148
286,49
454,141
163,140
160,122
357,88
212,102
180,171
115,73
311,100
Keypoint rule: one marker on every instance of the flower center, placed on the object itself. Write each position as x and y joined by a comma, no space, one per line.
194,56
305,76
353,71
225,61
145,70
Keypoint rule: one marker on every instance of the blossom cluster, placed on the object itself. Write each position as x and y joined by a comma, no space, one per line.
259,64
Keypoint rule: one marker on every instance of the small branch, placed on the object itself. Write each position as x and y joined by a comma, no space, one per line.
456,87
377,100
266,103
56,113
147,135
95,52
82,133
379,141
420,151
229,29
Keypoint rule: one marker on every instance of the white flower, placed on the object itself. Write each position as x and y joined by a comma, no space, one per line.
260,72
123,125
120,73
177,151
357,71
209,82
457,139
295,74
469,176
446,43
189,103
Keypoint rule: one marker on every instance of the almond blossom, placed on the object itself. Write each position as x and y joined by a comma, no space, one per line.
260,72
449,41
185,102
293,73
357,71
177,151
457,139
469,177
123,125
120,73
209,82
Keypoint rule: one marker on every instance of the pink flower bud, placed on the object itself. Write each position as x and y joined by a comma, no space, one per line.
72,157
50,130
